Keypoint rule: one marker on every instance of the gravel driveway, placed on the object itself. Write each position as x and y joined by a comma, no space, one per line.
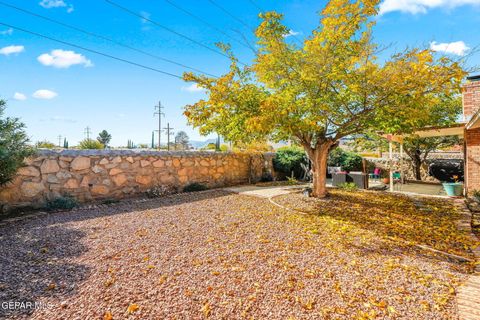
214,255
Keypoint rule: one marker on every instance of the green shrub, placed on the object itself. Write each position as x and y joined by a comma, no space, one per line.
266,177
290,159
110,201
292,181
195,186
90,144
349,161
210,146
14,146
348,186
45,144
66,202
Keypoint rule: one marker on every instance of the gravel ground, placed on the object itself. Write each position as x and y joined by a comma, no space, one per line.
216,255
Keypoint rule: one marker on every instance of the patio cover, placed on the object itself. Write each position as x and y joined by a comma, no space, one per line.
457,129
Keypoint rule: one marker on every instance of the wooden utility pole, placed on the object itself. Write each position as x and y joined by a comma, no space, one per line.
158,111
59,140
169,133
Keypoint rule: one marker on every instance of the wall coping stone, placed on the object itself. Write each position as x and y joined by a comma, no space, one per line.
133,152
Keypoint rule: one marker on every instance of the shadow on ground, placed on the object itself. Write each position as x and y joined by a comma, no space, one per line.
33,265
34,251
404,220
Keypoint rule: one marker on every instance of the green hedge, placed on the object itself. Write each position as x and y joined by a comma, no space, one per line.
290,159
349,161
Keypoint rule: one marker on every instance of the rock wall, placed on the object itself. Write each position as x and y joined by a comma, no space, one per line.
112,174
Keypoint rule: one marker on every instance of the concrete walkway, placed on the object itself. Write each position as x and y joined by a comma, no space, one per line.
265,192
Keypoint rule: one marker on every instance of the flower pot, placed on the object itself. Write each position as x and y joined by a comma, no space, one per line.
386,180
453,189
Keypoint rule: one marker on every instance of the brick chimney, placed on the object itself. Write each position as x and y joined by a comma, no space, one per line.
471,97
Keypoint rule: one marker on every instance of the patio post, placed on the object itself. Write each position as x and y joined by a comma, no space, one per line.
402,179
390,157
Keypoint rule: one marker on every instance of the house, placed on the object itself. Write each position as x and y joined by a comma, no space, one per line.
471,128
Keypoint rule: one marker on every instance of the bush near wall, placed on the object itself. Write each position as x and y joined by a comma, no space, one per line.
349,161
289,160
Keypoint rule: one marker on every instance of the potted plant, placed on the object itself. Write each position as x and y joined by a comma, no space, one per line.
385,176
453,189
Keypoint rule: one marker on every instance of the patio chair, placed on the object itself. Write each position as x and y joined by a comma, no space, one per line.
397,177
376,175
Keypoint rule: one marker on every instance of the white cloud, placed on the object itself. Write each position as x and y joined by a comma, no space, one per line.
47,4
63,59
193,88
19,96
421,6
52,4
44,94
11,50
6,32
458,48
292,33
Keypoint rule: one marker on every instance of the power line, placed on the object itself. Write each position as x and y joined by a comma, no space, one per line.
100,37
256,5
173,4
167,29
230,14
91,50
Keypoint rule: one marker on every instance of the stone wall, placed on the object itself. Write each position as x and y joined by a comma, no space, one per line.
112,174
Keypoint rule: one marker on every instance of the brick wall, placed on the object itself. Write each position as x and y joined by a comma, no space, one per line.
472,160
112,174
471,98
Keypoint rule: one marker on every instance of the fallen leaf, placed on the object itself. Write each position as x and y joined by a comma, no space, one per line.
132,308
108,316
206,309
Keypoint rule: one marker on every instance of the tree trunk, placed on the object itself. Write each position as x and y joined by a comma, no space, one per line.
417,165
318,157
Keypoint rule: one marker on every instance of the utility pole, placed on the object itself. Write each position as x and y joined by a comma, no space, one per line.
88,132
59,140
217,144
158,111
169,133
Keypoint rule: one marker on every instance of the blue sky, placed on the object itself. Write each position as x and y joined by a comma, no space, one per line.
56,92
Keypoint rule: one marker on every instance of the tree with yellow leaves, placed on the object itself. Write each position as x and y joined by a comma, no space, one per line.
331,87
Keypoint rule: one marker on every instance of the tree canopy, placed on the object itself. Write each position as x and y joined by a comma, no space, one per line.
330,87
182,140
14,146
104,138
